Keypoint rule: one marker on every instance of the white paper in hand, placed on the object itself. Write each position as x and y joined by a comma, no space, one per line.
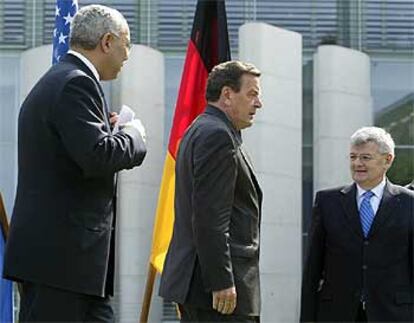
126,114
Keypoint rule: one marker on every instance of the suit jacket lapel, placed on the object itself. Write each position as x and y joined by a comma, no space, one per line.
247,159
104,107
349,204
211,110
387,206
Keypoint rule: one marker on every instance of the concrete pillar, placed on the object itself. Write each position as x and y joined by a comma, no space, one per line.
140,86
34,63
342,104
10,101
17,82
275,145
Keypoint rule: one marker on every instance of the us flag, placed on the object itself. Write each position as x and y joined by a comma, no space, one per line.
64,12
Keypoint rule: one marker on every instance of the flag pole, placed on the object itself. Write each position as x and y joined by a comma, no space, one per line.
149,287
4,222
3,219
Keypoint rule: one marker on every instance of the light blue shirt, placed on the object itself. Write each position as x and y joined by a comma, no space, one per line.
375,199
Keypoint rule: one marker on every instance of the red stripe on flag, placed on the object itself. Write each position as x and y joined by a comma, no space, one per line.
207,47
191,97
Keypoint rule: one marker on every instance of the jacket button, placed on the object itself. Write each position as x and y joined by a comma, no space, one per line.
364,267
366,243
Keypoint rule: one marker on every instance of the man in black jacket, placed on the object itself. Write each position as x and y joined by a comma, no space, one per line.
359,266
61,243
212,265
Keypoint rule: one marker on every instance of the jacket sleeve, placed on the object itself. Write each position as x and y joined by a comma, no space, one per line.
313,267
215,172
78,119
411,212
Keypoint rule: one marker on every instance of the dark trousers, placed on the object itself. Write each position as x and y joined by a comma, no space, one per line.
40,303
361,314
194,314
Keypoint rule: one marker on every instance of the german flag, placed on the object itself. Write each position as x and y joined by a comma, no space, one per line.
208,46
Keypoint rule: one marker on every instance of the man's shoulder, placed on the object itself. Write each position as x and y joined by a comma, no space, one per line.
60,74
403,191
402,196
334,193
206,131
208,125
338,190
67,71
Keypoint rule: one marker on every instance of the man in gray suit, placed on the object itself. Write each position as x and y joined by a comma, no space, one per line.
212,265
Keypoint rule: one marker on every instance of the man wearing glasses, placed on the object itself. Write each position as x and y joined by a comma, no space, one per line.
359,265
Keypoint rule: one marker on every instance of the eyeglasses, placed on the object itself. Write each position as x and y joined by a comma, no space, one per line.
364,158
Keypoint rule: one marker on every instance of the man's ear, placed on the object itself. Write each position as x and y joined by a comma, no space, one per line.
106,42
389,160
226,94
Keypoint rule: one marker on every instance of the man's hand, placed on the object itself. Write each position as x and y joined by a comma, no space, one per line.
137,124
225,301
113,118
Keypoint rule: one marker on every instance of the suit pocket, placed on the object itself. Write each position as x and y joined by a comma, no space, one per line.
246,274
243,251
402,298
91,221
325,295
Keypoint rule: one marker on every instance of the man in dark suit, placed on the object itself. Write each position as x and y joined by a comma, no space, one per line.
212,265
62,233
359,266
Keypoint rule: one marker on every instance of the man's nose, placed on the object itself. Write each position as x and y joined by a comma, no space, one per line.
356,162
258,104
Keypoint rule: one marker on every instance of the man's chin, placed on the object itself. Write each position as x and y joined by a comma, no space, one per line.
249,123
359,179
109,77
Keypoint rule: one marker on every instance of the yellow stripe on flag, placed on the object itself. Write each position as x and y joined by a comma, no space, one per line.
165,215
208,46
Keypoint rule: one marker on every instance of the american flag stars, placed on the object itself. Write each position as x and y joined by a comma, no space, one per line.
64,12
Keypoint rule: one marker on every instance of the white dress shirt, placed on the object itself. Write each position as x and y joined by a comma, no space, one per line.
375,199
87,62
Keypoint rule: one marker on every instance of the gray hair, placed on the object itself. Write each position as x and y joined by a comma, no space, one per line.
376,135
92,22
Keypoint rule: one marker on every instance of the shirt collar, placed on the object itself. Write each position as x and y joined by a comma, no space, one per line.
86,61
377,190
